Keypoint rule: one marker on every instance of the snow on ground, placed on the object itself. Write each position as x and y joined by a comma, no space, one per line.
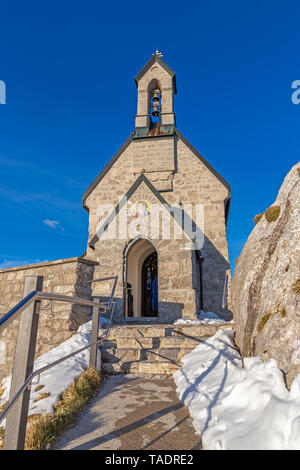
204,318
58,378
236,407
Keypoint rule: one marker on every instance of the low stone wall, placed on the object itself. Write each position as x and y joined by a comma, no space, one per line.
56,324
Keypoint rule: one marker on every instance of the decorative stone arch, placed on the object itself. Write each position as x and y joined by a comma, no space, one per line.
135,253
153,83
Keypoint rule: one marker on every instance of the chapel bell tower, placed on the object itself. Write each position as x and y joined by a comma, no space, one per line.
156,87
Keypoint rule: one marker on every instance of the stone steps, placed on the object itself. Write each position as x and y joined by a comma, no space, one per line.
138,367
162,330
157,354
156,342
151,349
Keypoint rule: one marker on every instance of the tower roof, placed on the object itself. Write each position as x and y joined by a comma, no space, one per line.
156,58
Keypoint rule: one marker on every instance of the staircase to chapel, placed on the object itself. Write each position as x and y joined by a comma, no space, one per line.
151,349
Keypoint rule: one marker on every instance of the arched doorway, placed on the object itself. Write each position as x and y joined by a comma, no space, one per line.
141,268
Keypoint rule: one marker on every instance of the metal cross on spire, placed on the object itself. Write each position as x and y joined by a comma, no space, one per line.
159,54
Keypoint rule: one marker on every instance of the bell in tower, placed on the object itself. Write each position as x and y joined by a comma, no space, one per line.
156,103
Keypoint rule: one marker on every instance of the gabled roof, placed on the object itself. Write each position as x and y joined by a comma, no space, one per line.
140,179
156,58
105,170
125,145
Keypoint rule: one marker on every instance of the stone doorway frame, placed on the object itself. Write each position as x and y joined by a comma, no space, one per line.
126,251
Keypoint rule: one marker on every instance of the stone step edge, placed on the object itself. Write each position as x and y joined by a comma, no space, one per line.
151,367
167,342
144,331
114,356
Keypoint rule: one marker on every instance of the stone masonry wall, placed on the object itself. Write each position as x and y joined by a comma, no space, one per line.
195,183
190,182
153,154
176,297
57,324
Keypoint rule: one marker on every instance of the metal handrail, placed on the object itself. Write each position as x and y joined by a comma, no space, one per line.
34,296
39,372
113,288
111,305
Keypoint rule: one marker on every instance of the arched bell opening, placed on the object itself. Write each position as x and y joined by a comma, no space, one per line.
141,279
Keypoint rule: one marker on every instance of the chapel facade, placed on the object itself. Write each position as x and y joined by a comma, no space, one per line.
158,214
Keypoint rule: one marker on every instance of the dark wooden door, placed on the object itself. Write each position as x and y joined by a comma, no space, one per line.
149,307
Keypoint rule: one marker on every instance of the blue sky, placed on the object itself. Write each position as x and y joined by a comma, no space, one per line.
71,101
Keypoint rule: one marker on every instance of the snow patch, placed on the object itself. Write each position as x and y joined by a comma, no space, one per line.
236,407
58,378
204,318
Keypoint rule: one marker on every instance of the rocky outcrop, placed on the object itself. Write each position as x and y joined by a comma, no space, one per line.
265,291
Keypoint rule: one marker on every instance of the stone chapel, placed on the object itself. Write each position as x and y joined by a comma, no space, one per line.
164,271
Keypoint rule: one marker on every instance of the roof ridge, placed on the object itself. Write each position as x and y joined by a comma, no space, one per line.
105,169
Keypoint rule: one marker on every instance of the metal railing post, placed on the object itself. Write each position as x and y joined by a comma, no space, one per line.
16,420
94,334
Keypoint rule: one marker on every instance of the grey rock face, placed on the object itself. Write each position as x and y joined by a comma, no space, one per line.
265,298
